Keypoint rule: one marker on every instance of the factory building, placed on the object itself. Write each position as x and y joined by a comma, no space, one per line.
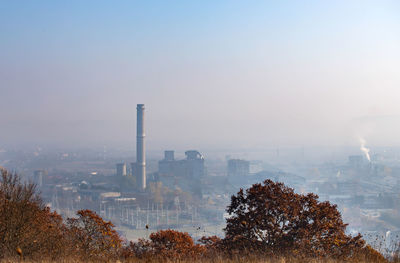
169,155
192,167
121,169
167,166
194,164
238,168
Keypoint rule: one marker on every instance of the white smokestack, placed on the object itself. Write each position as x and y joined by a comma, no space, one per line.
140,149
364,149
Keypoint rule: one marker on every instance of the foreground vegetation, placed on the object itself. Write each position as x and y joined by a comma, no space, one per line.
268,222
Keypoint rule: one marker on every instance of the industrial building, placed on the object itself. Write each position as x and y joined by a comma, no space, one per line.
192,167
121,169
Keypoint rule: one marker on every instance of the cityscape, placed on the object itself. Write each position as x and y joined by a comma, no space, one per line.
191,193
201,131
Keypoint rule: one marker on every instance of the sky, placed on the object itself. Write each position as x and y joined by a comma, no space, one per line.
212,74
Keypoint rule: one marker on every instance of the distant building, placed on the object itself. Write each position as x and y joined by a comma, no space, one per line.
238,168
191,167
167,166
194,164
169,155
121,169
129,171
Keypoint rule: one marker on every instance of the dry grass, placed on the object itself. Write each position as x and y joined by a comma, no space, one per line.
213,260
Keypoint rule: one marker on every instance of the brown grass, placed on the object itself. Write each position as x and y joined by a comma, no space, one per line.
213,260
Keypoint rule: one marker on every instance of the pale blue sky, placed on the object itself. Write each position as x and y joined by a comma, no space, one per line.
212,73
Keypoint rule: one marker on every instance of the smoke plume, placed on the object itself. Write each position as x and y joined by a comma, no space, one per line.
364,149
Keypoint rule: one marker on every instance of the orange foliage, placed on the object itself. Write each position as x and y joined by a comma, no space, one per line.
271,218
167,244
27,228
93,237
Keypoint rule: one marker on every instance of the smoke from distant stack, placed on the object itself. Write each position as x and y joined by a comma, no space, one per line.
364,149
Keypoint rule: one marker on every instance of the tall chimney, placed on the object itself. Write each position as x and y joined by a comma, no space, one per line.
140,150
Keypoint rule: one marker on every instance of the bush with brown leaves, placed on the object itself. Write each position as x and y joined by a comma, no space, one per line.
167,244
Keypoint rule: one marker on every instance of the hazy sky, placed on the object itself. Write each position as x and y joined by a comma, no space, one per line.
211,73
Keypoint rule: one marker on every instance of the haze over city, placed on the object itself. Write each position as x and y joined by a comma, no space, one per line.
200,130
216,75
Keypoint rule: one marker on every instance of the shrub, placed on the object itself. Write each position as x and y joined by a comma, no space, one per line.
167,244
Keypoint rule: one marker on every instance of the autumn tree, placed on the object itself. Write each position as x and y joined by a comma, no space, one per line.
93,237
167,244
271,218
27,227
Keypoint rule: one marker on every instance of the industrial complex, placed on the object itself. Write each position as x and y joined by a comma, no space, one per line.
189,191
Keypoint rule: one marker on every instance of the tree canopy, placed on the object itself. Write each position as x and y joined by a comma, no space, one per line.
272,218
